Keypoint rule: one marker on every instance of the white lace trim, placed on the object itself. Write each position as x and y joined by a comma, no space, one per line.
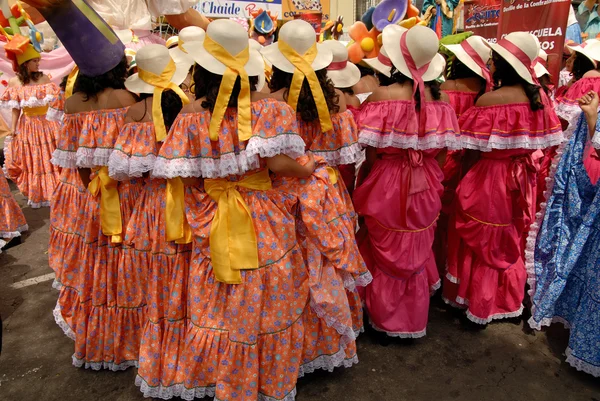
347,333
348,155
291,145
14,234
582,365
179,390
104,365
462,301
452,279
403,141
497,316
495,142
417,334
57,285
60,321
433,289
90,158
328,363
31,102
2,243
55,115
122,167
568,112
363,280
452,303
38,205
64,159
545,322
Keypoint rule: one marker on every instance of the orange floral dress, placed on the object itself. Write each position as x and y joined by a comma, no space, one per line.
28,153
56,110
12,220
245,340
101,303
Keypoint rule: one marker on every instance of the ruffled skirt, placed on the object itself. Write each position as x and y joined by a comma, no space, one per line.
28,157
12,220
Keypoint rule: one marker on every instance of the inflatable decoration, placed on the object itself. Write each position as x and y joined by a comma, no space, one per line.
366,43
262,26
18,47
333,29
389,12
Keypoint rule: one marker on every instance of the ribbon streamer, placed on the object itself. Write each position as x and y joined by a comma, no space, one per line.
110,205
71,79
418,83
178,228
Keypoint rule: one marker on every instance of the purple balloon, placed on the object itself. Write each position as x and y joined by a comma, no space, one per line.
389,12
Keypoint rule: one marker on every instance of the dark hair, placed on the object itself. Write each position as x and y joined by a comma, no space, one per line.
170,104
92,86
581,65
307,109
25,76
63,82
434,86
206,84
505,75
545,82
383,79
364,71
458,70
349,90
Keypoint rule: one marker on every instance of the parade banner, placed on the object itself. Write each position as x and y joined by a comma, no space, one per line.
546,19
292,8
237,8
482,18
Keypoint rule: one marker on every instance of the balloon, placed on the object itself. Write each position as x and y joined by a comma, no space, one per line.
389,12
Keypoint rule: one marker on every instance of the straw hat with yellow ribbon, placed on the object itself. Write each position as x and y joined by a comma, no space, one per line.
296,52
254,45
157,72
186,35
225,51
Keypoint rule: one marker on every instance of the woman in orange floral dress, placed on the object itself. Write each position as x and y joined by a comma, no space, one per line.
12,220
249,288
29,149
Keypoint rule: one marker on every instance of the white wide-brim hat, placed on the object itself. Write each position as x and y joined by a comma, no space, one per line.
186,35
342,73
300,35
479,44
153,58
540,65
422,44
381,63
590,49
233,38
527,44
262,80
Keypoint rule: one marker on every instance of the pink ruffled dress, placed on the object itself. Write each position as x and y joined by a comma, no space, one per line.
288,317
28,153
102,302
495,205
400,201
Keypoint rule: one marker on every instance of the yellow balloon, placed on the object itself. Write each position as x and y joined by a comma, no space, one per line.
367,44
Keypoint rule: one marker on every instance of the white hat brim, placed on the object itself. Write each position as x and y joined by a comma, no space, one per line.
274,56
464,58
391,41
540,70
515,63
581,50
181,57
378,66
254,67
346,77
135,84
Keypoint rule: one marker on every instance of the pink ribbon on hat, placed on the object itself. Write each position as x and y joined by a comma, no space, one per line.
337,65
539,60
479,61
526,61
383,59
418,83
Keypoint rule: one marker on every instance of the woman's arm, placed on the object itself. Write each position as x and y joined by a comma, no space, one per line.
16,113
288,167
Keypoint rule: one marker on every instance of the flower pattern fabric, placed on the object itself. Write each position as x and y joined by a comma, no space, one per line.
12,220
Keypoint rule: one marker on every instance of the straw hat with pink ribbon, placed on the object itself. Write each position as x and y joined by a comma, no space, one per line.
342,73
475,54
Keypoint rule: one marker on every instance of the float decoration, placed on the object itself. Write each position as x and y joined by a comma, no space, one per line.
366,43
388,12
333,30
19,48
262,26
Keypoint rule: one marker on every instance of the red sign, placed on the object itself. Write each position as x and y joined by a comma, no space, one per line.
482,18
546,19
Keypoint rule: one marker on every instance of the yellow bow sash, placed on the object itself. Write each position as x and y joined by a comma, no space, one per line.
35,111
178,228
233,245
333,175
304,70
71,79
110,206
235,67
161,83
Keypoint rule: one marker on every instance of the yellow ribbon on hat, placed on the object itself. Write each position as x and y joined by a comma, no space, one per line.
71,79
233,245
161,83
178,228
235,67
110,206
305,70
180,46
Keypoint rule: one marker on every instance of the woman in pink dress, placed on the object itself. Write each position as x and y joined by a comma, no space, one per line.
29,148
468,79
404,127
495,201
